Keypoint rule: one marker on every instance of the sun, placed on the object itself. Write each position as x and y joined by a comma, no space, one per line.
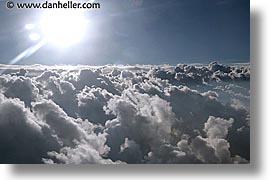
61,28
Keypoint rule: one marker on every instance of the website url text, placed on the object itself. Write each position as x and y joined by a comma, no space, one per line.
54,5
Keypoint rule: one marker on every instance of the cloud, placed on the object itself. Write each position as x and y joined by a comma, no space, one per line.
217,127
144,119
203,150
126,114
91,102
20,87
23,138
82,154
62,125
130,152
80,143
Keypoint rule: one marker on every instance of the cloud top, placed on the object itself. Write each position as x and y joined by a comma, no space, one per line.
126,114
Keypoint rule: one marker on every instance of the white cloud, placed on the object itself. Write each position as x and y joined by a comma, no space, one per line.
217,127
91,102
125,114
82,154
20,87
23,138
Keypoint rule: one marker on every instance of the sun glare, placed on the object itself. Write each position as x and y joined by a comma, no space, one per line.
34,36
63,28
29,26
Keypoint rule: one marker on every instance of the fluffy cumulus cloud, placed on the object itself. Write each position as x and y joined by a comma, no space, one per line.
217,127
125,114
23,138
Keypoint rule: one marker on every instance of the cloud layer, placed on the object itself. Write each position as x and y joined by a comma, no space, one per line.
125,114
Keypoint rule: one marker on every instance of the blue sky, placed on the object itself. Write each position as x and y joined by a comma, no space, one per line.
141,32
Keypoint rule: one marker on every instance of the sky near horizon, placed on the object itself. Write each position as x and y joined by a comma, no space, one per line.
139,32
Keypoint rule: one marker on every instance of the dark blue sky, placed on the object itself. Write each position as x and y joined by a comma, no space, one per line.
141,32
